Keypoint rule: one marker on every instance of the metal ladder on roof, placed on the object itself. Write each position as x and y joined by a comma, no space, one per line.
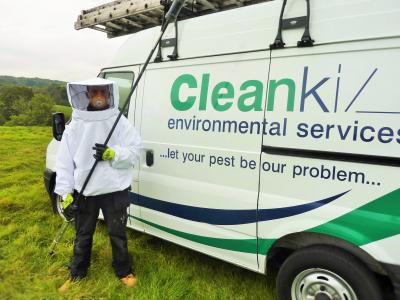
123,17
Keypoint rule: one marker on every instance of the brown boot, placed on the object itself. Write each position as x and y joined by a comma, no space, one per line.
66,285
129,280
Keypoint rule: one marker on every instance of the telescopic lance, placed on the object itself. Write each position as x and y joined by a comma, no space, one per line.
171,16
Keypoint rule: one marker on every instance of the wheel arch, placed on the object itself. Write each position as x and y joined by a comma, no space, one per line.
283,247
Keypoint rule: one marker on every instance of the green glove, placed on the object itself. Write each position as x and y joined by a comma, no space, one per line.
67,209
67,201
103,152
108,154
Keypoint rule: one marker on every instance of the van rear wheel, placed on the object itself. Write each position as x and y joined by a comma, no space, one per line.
325,273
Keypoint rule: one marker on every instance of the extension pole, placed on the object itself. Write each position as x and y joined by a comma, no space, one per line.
171,16
59,236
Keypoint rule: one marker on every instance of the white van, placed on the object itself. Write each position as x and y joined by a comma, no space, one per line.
273,159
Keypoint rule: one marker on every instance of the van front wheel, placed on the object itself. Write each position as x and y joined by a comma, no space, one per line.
325,273
57,204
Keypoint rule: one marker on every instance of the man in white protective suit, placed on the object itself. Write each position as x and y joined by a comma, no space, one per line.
95,109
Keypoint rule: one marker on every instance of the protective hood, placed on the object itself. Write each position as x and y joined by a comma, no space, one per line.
79,99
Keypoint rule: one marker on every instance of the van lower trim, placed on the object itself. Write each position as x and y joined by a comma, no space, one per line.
338,156
239,245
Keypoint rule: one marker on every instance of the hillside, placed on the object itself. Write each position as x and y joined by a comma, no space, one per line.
28,82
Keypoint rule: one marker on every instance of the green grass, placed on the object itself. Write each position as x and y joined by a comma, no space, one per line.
66,110
27,227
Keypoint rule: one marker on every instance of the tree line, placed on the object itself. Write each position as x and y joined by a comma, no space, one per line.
27,106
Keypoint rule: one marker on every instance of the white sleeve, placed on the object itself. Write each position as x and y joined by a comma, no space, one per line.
64,169
127,150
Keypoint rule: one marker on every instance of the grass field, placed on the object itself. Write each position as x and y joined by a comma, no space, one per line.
27,227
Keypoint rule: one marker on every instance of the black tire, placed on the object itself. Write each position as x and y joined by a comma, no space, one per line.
337,262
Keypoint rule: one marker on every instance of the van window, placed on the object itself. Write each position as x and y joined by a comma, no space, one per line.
124,82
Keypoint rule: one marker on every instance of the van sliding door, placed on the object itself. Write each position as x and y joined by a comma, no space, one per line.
201,123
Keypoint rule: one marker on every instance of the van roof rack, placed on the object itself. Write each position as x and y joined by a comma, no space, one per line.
123,17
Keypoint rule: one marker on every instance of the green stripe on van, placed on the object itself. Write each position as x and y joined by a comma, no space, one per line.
373,221
239,245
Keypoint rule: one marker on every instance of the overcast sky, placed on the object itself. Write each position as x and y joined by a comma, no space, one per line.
38,39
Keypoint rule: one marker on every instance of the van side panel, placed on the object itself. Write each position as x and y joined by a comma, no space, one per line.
346,106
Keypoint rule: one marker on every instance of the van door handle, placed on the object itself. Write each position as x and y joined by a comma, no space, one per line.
149,158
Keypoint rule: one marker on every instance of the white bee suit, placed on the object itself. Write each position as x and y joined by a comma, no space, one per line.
75,155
